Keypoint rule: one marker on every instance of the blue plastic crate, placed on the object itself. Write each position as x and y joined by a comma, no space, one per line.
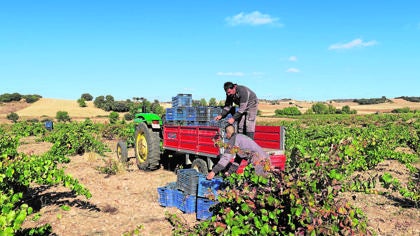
203,208
209,188
202,113
186,203
207,113
170,114
182,100
190,114
187,181
167,195
205,123
214,111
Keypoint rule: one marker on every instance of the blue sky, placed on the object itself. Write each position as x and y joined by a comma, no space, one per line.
299,49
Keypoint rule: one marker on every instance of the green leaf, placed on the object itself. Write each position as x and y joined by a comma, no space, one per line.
257,223
65,208
387,178
9,172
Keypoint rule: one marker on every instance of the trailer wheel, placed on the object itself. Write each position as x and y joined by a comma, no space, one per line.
147,148
200,165
122,153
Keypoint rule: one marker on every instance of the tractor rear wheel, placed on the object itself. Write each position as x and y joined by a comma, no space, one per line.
147,148
200,165
122,152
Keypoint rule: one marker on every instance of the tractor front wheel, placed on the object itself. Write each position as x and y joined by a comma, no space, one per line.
147,148
122,152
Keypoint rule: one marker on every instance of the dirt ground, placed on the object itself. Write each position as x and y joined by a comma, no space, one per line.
129,200
120,203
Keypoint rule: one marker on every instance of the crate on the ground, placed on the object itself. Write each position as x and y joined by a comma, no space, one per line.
49,125
167,195
187,181
186,202
203,208
208,188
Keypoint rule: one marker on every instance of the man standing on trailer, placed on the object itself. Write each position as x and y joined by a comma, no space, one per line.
248,108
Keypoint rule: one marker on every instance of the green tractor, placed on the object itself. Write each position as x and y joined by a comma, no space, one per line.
147,141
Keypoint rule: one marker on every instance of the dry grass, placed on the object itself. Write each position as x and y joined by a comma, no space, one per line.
303,106
48,108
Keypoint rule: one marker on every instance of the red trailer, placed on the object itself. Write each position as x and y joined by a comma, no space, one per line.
193,145
195,142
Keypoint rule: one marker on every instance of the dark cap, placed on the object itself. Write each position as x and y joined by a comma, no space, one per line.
228,85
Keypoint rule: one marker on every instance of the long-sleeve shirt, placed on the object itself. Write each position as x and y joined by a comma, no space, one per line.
240,145
245,98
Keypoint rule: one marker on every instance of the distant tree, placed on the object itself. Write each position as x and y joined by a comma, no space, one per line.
87,97
221,103
401,110
62,116
365,101
213,102
331,109
290,111
7,97
109,98
156,108
32,98
99,101
13,117
134,108
113,117
82,102
196,103
203,102
128,116
410,99
320,108
109,103
120,106
345,109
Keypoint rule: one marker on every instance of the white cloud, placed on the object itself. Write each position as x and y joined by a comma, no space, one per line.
257,73
253,18
293,58
352,44
235,74
293,70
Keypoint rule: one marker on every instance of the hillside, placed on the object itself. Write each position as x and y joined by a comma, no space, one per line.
48,107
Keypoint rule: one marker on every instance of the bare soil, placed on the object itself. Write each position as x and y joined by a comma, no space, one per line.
120,203
128,200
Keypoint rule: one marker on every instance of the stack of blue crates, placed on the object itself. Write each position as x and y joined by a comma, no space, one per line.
191,193
183,113
207,195
182,100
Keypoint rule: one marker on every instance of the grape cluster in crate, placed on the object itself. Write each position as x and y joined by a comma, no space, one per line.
191,193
